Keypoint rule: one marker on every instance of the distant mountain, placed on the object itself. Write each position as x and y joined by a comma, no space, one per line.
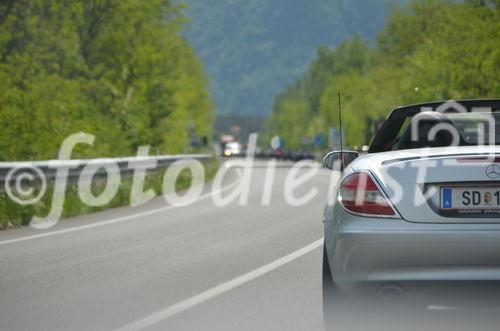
252,49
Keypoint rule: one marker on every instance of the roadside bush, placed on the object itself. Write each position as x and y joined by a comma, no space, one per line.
15,215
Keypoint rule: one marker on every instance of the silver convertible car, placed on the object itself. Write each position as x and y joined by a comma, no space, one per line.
422,206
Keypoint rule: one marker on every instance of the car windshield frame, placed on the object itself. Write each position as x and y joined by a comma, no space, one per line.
388,134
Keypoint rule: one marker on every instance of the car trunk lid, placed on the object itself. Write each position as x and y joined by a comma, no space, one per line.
460,185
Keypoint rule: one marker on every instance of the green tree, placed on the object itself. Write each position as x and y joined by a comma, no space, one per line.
116,69
429,50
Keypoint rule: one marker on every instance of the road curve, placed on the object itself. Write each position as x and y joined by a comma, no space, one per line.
156,267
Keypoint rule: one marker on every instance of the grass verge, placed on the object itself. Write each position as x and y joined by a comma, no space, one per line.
14,215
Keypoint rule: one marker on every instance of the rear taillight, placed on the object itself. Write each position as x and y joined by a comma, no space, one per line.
360,194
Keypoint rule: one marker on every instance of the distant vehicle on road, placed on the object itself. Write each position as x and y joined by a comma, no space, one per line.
422,206
232,149
297,155
287,155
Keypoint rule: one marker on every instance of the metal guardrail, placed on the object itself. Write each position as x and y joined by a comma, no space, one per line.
95,167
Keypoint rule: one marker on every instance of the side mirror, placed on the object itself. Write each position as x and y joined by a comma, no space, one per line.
334,159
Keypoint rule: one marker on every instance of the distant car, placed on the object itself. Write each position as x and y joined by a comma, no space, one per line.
422,205
292,155
286,155
277,154
303,155
232,149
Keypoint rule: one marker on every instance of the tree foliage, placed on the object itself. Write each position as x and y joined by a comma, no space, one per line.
428,50
118,69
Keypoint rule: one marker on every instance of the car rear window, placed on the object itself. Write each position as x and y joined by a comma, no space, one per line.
454,129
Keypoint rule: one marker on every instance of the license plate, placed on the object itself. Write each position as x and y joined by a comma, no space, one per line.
470,198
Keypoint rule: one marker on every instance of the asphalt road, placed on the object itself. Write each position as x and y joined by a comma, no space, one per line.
154,267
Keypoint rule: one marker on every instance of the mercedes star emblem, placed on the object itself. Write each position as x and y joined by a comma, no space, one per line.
493,171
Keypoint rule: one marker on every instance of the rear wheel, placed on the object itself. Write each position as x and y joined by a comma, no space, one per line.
354,309
332,299
328,284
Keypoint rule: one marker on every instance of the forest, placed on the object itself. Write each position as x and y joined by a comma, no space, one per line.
118,69
428,50
252,49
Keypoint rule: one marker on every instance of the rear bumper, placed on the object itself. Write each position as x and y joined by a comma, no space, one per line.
392,250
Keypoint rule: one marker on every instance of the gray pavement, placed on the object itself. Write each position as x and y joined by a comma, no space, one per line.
103,277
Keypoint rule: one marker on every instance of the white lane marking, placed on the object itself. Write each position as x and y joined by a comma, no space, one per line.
441,308
119,219
182,306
